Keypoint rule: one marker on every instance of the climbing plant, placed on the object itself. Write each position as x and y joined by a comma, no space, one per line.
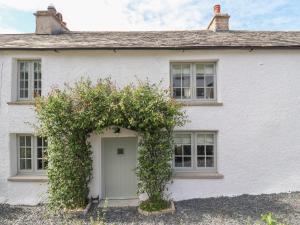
67,117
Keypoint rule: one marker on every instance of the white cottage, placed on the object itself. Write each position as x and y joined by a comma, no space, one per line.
240,90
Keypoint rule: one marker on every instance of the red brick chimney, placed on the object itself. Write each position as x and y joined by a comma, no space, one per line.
220,21
50,22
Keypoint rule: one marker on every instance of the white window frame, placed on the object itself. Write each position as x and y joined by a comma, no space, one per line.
34,158
192,153
193,82
30,78
194,167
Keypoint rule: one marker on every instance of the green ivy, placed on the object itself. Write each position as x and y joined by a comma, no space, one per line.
67,117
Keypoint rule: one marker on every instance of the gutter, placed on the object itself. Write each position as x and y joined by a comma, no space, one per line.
153,48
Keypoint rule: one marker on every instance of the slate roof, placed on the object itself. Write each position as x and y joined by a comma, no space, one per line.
195,39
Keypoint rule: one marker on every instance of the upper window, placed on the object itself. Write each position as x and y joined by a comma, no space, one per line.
193,81
195,151
29,79
32,154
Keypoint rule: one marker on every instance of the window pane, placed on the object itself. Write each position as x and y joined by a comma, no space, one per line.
200,81
177,81
22,153
40,153
22,84
21,94
28,164
39,141
40,164
178,150
200,150
37,80
209,162
186,69
200,92
182,138
176,70
187,162
209,69
201,162
22,164
25,94
186,93
201,139
28,140
22,140
177,93
178,161
199,69
187,150
186,81
209,81
28,152
209,150
209,139
209,93
22,75
21,66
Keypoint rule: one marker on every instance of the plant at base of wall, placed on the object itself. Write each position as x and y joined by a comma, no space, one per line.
67,117
270,220
154,205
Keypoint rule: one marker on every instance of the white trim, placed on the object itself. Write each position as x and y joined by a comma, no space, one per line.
34,158
30,63
193,81
194,167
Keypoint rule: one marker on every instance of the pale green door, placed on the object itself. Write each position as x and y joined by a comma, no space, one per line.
119,160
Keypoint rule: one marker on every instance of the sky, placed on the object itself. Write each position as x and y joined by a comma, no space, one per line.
16,16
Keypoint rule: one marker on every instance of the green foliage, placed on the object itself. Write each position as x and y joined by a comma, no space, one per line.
68,116
270,220
151,206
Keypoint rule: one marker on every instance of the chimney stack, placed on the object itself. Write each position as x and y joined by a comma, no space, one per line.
50,22
220,21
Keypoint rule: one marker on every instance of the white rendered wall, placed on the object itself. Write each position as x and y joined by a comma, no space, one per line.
258,124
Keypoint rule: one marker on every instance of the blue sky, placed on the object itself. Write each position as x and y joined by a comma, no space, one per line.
16,16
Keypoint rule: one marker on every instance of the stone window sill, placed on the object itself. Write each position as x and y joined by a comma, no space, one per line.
199,103
21,103
28,178
197,175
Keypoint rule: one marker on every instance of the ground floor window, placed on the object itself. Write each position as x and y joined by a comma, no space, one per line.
195,151
32,154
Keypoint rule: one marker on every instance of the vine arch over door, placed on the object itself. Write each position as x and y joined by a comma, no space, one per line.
67,118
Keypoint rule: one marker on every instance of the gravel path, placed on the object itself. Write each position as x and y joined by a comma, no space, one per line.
245,209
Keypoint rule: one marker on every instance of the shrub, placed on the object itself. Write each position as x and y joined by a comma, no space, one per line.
68,116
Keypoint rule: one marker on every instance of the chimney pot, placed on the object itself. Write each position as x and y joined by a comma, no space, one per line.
217,9
51,9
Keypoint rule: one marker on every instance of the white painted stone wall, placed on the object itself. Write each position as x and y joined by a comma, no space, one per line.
258,124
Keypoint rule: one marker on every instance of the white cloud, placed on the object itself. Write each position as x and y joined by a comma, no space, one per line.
151,14
120,14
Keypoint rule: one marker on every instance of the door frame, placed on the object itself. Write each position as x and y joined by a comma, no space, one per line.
102,178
